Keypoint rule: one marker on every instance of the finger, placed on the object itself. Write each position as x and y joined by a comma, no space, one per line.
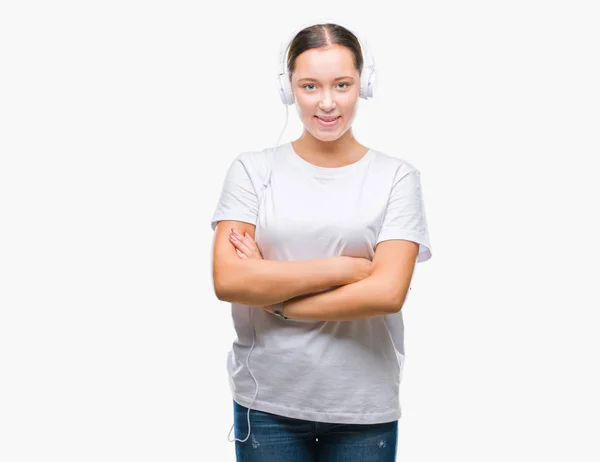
235,241
241,245
251,243
246,239
250,249
239,252
237,234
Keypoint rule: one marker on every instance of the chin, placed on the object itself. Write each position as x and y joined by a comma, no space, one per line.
325,135
322,133
331,136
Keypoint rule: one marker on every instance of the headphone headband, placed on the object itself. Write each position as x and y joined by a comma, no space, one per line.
367,56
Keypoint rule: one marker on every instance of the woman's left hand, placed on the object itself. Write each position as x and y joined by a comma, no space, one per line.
245,246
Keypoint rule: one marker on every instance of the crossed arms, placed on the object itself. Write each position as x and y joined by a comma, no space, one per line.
328,289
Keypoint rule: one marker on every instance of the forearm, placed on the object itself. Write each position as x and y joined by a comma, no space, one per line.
264,282
363,299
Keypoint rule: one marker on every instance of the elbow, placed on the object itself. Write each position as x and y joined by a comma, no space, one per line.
221,291
227,280
223,284
226,293
394,303
233,290
391,294
394,308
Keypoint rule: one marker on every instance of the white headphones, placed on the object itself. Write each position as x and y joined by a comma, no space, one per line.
368,80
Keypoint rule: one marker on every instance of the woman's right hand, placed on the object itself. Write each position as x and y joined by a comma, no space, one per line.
355,269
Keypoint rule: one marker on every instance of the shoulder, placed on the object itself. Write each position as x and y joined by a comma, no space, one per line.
256,163
399,166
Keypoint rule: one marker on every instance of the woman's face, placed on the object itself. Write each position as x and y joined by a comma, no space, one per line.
326,84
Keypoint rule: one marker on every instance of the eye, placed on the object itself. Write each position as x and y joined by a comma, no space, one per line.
312,85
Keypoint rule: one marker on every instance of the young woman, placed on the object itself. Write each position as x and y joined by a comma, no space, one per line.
315,247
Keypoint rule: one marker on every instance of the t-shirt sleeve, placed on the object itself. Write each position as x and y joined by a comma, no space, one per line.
405,213
238,199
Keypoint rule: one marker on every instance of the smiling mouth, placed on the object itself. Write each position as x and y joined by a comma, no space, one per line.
327,123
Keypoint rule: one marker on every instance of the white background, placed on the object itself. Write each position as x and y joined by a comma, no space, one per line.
118,120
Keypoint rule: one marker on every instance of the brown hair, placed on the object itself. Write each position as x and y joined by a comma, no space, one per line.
323,35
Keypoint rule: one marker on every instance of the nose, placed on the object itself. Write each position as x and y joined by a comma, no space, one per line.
327,103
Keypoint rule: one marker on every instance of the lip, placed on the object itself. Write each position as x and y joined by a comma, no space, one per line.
327,124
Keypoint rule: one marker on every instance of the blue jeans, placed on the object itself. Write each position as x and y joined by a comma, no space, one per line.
274,438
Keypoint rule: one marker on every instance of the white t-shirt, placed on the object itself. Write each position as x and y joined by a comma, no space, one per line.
325,371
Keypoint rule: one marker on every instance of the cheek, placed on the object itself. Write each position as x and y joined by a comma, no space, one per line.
308,105
305,102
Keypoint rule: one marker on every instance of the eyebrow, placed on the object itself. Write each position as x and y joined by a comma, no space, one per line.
315,80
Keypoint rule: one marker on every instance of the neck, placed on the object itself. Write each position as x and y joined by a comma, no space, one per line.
344,145
345,150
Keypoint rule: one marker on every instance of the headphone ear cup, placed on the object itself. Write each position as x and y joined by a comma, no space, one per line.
372,83
285,89
368,81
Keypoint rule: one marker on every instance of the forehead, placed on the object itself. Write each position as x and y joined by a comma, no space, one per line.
330,62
